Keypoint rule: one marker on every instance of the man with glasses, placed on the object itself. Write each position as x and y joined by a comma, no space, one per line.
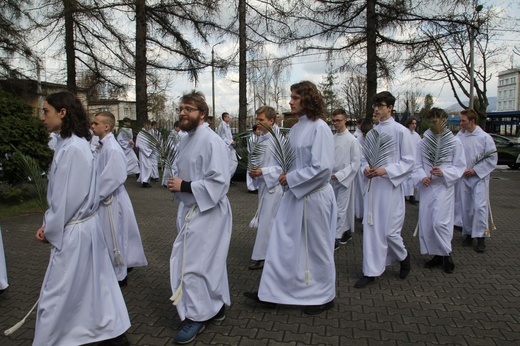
384,206
346,166
200,181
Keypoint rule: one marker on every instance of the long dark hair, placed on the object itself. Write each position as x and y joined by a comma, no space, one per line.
311,99
75,120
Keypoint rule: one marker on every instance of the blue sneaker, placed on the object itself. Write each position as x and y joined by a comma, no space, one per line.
189,332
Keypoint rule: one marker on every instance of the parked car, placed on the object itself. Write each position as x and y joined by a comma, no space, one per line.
508,151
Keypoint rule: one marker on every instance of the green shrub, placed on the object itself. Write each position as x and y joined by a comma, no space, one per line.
26,133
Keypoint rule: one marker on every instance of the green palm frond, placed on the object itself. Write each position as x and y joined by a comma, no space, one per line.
256,152
483,157
33,173
167,149
377,148
281,149
438,148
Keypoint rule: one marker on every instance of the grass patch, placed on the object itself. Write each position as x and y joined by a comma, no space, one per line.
25,207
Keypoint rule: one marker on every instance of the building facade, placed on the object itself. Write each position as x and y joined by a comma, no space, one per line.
508,92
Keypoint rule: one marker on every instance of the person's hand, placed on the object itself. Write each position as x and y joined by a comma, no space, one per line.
334,177
131,144
282,179
40,235
255,173
376,172
426,181
469,172
174,184
436,171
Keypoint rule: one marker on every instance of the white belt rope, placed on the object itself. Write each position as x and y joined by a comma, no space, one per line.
117,253
177,295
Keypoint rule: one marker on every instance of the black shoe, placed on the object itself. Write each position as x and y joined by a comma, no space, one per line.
436,261
448,266
123,283
220,316
2,291
364,281
405,267
412,200
481,244
467,241
256,265
254,296
155,180
457,228
346,237
318,309
128,270
145,185
336,244
253,191
137,176
121,340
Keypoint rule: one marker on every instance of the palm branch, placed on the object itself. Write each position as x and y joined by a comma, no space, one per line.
167,149
483,157
33,173
377,148
281,149
256,151
438,148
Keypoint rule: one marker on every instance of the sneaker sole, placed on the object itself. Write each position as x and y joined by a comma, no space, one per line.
345,242
190,340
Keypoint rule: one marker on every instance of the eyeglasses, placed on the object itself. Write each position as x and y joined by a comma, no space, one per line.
379,105
334,121
187,109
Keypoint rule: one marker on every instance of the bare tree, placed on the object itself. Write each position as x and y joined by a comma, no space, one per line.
354,94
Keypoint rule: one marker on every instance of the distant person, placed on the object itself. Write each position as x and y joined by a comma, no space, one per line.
409,190
155,156
436,185
115,211
251,184
265,178
299,266
357,133
481,160
146,148
125,138
346,166
200,182
384,207
225,133
80,300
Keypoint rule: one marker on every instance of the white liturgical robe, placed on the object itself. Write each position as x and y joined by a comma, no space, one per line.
299,266
113,198
146,159
409,183
204,223
80,299
437,199
3,268
125,139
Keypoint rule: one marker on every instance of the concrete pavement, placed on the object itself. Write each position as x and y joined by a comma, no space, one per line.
479,304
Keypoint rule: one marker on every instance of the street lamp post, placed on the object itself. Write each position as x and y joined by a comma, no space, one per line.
213,80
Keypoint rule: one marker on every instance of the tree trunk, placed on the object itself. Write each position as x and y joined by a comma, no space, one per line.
68,9
242,67
141,96
371,56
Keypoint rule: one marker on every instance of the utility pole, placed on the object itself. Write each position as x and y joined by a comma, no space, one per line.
213,80
472,36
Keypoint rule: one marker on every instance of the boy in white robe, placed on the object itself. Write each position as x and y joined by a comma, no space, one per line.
265,178
409,186
384,207
146,150
116,213
224,132
361,180
475,182
346,165
80,300
200,180
436,185
125,138
299,266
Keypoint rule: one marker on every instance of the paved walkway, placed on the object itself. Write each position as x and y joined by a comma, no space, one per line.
479,304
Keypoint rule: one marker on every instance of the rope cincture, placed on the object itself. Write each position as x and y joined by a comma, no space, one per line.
177,295
117,254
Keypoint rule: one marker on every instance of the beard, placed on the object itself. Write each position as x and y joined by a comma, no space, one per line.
188,124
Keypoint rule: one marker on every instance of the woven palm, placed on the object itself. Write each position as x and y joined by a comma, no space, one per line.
438,148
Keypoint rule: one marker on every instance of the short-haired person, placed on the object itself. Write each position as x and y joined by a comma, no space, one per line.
265,177
346,166
225,133
200,181
116,213
384,208
409,190
474,184
436,185
299,266
125,138
80,300
357,133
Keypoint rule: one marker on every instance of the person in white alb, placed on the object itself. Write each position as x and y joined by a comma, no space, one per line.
125,138
80,300
225,133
